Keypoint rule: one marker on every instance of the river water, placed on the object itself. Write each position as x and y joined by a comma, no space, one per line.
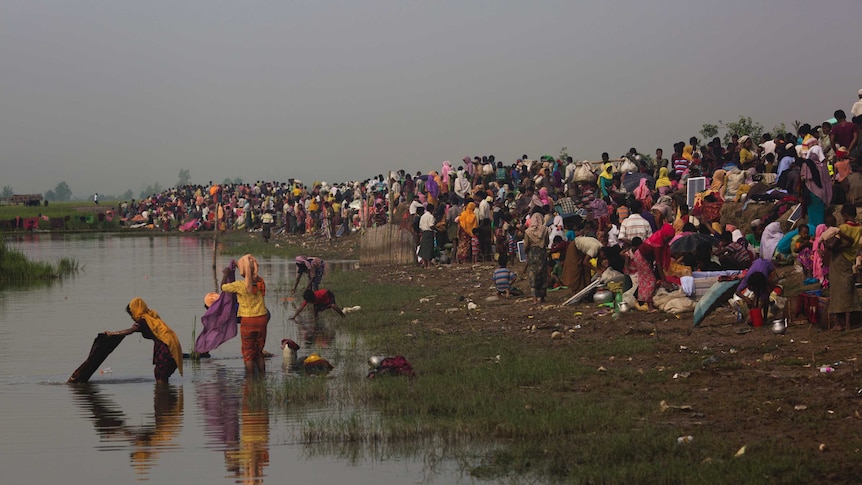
202,427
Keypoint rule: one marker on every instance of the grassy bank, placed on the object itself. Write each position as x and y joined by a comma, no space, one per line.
237,243
15,268
504,408
77,215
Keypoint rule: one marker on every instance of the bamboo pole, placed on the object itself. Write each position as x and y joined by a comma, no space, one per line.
215,241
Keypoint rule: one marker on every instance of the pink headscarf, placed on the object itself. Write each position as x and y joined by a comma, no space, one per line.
468,166
660,241
444,173
643,194
248,269
543,196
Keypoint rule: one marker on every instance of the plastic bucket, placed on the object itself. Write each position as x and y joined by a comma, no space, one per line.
756,317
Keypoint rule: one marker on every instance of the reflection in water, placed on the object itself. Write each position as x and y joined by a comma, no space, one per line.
317,335
237,422
147,440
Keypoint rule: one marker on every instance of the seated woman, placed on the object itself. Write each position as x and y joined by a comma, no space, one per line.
663,184
734,255
801,246
718,187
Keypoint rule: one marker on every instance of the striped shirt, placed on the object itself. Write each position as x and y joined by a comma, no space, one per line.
635,226
503,278
513,244
680,165
623,212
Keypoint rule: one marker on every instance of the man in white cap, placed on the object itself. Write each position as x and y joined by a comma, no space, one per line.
856,110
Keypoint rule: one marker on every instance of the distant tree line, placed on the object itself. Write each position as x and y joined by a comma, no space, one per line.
63,193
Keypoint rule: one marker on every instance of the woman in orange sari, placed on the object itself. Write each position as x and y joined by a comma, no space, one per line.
467,221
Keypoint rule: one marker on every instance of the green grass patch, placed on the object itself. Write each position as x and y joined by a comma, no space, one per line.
16,269
542,413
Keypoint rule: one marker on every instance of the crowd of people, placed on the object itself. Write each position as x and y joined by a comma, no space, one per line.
568,220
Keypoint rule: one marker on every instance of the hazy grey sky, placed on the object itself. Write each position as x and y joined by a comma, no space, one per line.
116,95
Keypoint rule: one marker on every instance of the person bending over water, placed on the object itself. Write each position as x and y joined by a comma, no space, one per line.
167,352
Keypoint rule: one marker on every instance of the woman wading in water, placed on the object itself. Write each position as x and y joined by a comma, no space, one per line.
252,314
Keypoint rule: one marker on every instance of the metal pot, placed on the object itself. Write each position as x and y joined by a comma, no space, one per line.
603,295
779,326
624,307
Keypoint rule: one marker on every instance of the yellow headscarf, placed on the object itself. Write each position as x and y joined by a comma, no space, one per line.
607,171
663,178
687,152
717,180
467,219
162,332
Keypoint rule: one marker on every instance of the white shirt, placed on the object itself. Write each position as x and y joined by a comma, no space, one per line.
856,110
570,171
588,245
426,222
635,226
484,211
413,206
768,147
613,236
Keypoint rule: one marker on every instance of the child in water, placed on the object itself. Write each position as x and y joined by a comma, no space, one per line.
320,300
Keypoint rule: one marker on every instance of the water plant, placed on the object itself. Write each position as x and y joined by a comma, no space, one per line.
16,268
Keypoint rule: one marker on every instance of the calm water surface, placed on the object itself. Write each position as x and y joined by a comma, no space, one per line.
201,428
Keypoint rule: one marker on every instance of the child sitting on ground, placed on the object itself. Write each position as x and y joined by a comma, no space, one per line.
504,277
800,247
